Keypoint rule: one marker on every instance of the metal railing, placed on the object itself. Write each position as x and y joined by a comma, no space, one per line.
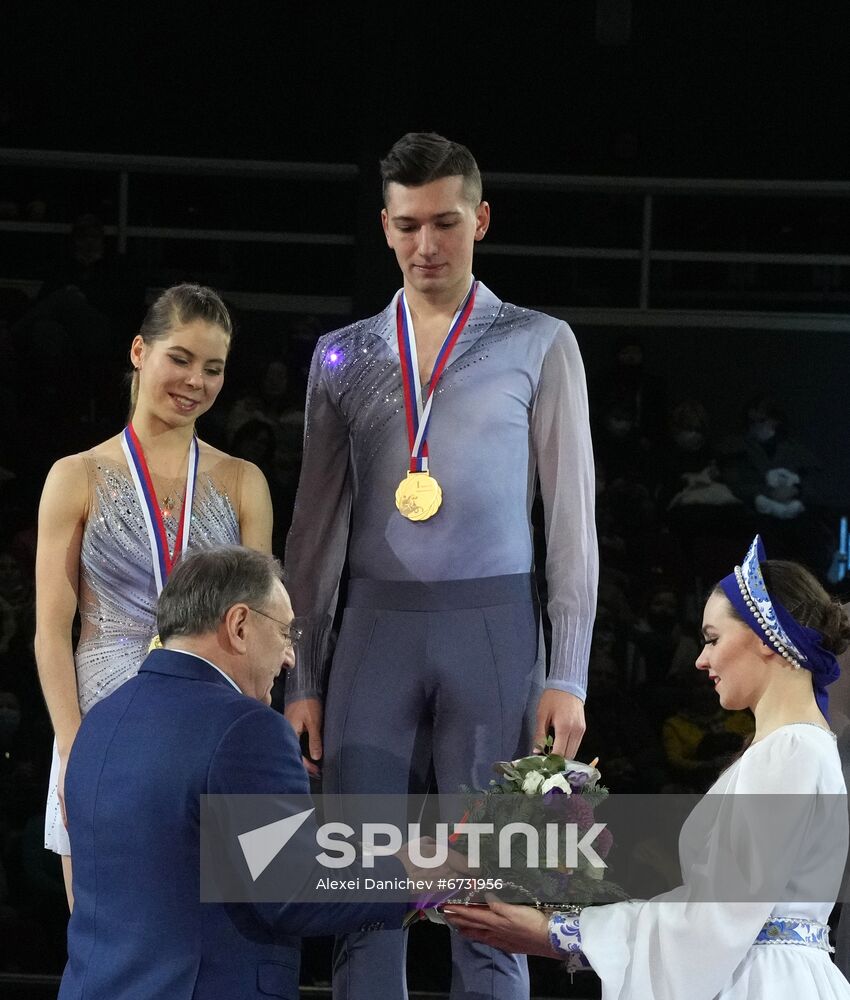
125,166
648,190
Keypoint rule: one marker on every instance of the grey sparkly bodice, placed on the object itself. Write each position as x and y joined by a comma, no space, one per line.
511,404
117,594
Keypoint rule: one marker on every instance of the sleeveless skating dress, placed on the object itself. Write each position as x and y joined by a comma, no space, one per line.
117,591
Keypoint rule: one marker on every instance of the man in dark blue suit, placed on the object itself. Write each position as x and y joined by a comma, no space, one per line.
194,721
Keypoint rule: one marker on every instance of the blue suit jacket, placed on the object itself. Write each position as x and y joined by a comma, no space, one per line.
141,760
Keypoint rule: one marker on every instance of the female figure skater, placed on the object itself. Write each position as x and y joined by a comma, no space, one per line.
114,519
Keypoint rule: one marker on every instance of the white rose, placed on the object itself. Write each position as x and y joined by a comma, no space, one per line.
532,782
556,781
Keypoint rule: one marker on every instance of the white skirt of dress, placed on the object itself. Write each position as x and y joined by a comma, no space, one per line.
55,834
787,972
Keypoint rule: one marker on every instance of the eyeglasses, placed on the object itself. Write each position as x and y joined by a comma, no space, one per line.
291,634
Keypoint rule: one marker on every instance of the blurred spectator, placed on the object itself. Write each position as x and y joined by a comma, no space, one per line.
661,649
620,736
632,539
275,403
709,522
256,442
88,269
17,626
776,476
612,544
304,334
267,428
16,620
612,597
624,467
701,737
688,472
767,467
74,334
627,383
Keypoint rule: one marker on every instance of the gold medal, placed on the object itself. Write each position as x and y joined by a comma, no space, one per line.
418,496
156,643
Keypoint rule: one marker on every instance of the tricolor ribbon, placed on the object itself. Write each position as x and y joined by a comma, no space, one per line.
418,414
163,559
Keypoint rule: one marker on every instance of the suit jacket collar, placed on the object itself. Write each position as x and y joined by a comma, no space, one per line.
177,663
484,313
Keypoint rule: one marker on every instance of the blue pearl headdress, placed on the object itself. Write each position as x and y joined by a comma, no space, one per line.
776,626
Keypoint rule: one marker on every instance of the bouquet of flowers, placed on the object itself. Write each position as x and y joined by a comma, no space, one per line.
557,847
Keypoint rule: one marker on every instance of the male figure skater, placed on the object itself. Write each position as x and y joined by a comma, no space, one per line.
426,429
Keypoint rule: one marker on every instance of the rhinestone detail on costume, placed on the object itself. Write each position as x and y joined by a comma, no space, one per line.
117,591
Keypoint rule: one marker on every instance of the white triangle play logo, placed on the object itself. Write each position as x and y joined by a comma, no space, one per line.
262,846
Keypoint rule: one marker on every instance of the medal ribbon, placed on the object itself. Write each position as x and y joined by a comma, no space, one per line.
163,560
419,415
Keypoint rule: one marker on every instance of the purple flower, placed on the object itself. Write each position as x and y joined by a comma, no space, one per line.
554,798
580,812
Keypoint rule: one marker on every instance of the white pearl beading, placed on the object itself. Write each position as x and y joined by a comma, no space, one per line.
784,651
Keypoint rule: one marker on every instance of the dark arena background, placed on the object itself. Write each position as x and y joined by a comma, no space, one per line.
670,178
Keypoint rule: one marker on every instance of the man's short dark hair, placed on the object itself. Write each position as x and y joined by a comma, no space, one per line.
421,157
206,583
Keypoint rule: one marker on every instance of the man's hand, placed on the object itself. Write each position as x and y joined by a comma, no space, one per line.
427,847
564,713
305,716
